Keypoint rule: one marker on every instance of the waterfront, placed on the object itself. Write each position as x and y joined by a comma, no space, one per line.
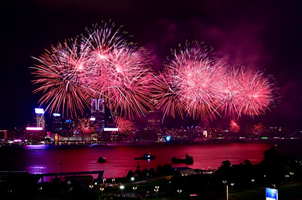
47,158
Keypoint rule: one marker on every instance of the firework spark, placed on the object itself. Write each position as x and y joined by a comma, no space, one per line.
234,126
190,83
124,126
85,125
103,65
60,74
256,92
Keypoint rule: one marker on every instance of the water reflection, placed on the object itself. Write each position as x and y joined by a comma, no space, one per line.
47,159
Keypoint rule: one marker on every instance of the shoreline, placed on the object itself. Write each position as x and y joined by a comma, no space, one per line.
211,141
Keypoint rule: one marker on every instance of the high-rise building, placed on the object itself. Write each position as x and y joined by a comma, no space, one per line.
98,113
39,118
57,123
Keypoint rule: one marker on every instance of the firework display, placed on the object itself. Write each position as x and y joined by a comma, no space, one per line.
191,79
124,126
101,65
105,65
60,75
194,82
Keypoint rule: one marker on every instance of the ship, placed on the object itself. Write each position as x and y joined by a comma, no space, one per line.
146,156
102,160
187,160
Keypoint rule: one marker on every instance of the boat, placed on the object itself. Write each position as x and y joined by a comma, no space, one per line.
102,160
188,159
146,156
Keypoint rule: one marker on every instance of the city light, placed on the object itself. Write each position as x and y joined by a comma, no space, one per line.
39,110
34,128
110,129
56,114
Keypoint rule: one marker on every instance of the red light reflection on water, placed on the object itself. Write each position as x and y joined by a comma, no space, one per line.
47,159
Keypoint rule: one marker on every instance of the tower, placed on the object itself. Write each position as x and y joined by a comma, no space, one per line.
39,118
57,123
98,112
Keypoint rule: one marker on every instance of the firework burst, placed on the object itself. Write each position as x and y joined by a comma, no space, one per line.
255,92
126,81
103,65
234,126
124,126
190,83
60,76
85,125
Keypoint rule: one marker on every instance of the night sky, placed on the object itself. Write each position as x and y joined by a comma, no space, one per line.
265,35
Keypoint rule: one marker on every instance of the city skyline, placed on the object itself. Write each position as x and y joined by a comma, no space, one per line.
255,36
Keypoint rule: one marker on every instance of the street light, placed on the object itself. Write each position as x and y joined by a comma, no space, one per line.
156,190
91,186
252,180
286,176
232,184
113,180
134,188
102,189
224,182
104,180
179,191
292,174
122,187
40,189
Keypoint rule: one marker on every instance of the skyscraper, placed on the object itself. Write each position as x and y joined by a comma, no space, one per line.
98,113
39,118
57,123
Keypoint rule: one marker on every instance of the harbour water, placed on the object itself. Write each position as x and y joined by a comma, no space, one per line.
120,159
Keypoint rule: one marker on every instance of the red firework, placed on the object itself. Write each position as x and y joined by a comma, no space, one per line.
60,76
124,126
85,125
234,126
190,83
255,92
103,65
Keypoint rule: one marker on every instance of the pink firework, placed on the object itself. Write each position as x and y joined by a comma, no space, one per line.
85,125
103,65
255,93
60,75
119,71
166,95
234,126
259,129
190,83
125,81
124,126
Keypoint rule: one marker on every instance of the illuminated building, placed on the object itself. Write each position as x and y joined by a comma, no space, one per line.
34,133
98,112
154,119
57,123
39,118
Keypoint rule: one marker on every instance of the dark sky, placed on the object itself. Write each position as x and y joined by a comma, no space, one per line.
260,34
